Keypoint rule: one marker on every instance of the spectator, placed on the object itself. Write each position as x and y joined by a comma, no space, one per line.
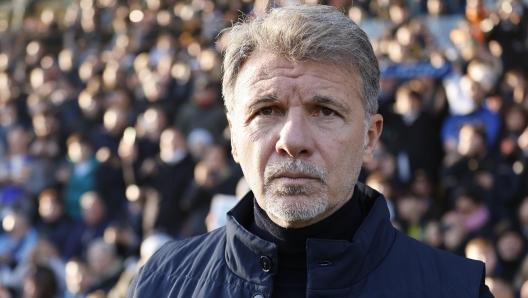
203,112
470,166
93,225
380,183
55,225
78,279
483,250
475,214
499,287
213,175
410,210
45,151
104,264
510,250
16,244
411,136
80,177
512,19
148,247
433,235
40,282
454,233
46,254
422,187
170,173
477,114
16,170
150,126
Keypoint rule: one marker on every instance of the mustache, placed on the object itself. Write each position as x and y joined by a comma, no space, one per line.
297,166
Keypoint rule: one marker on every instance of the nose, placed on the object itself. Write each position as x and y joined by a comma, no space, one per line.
295,137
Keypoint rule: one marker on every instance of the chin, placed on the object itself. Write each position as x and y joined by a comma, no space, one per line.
296,208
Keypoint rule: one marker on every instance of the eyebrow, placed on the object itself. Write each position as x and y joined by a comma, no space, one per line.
263,99
316,99
329,101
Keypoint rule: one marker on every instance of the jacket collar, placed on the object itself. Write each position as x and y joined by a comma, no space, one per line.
332,264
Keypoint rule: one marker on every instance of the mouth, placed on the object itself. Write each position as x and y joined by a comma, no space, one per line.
295,178
295,175
295,172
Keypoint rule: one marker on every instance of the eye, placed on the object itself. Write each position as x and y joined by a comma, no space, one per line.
327,112
266,111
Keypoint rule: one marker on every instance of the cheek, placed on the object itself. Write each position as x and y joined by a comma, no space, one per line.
254,142
252,155
259,132
343,159
343,150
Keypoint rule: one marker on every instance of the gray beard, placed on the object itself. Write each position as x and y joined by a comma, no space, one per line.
295,202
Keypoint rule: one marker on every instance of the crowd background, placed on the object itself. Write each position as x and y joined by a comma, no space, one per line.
113,137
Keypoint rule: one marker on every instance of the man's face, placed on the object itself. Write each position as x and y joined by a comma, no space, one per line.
298,132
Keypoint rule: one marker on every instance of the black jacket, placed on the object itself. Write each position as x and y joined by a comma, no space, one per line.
379,262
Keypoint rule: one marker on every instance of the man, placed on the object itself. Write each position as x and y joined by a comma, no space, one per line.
170,174
105,265
300,86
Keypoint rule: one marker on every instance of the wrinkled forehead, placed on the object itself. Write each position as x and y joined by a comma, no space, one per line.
266,70
269,62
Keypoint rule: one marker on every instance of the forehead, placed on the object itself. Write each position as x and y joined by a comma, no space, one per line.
265,72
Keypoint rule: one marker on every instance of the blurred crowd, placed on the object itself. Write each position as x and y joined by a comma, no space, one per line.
113,137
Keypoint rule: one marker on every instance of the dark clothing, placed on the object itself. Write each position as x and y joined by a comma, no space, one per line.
211,118
101,138
171,181
197,199
110,185
418,139
464,172
511,36
80,237
58,232
108,282
291,278
509,185
379,262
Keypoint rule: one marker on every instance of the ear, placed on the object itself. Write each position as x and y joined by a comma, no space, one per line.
373,134
233,145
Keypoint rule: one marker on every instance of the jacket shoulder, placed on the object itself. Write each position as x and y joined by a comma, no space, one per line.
177,268
194,267
180,256
417,267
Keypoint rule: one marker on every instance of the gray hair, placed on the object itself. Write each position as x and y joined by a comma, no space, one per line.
304,32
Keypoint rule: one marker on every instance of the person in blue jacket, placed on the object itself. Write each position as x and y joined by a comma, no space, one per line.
300,86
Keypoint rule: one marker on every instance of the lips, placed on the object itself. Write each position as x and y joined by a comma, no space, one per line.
295,181
295,178
293,175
